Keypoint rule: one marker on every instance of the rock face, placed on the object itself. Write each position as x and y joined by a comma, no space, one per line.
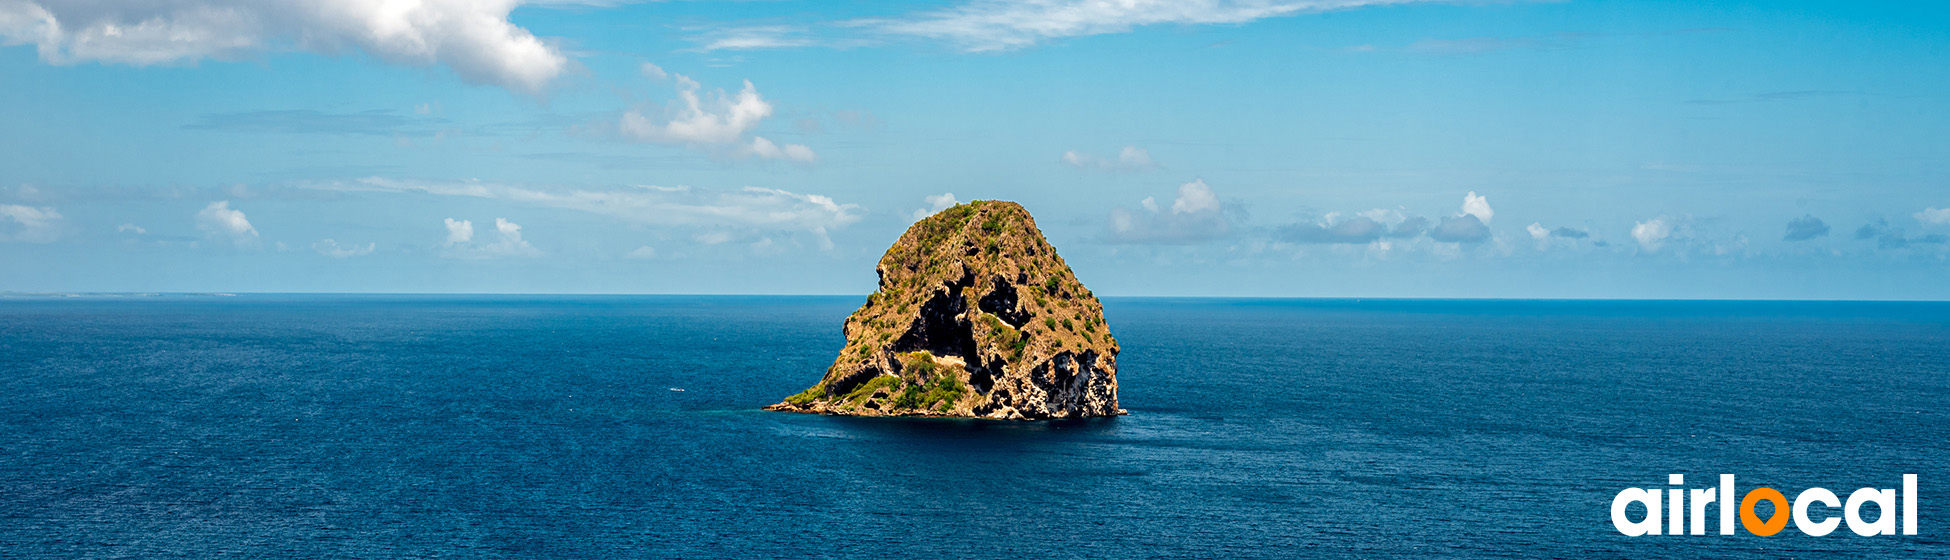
976,316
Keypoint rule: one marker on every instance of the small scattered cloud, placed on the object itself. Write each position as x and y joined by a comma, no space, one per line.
459,231
1000,25
1558,236
750,207
641,253
28,224
797,153
332,248
1804,228
1652,234
756,37
507,242
936,203
1934,216
715,237
653,71
1888,237
305,121
219,220
1195,216
1130,158
1366,227
131,228
1872,229
716,122
473,39
1381,226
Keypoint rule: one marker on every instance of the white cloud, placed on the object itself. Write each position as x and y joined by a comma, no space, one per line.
653,71
28,224
219,220
508,242
756,37
1478,206
1130,158
936,203
1652,234
714,237
1937,216
1195,215
716,121
992,25
131,228
331,248
644,252
472,37
1537,231
459,231
1461,228
765,149
750,207
511,241
1195,197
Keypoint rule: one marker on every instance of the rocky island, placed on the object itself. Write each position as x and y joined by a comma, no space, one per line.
976,316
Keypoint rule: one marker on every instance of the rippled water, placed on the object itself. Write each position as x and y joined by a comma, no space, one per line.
604,427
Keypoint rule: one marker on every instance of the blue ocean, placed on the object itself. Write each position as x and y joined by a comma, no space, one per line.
267,426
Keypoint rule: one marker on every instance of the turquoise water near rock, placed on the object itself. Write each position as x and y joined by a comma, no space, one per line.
271,426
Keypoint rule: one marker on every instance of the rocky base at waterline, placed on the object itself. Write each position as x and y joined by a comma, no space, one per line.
976,316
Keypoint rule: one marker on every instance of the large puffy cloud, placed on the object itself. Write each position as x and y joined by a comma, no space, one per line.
28,224
715,121
991,25
1471,226
1195,216
1467,228
1478,206
220,221
750,207
472,37
1805,228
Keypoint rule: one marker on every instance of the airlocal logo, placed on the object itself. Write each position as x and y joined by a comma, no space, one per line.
1676,518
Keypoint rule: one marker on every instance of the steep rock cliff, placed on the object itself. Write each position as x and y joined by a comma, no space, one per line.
976,316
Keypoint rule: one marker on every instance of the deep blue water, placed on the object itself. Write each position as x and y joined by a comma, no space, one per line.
548,427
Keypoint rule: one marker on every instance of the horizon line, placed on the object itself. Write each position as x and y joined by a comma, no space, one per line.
59,295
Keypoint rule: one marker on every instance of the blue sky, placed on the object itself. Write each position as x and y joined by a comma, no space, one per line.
1345,148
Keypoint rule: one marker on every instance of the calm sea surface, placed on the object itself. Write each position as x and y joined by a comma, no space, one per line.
628,427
